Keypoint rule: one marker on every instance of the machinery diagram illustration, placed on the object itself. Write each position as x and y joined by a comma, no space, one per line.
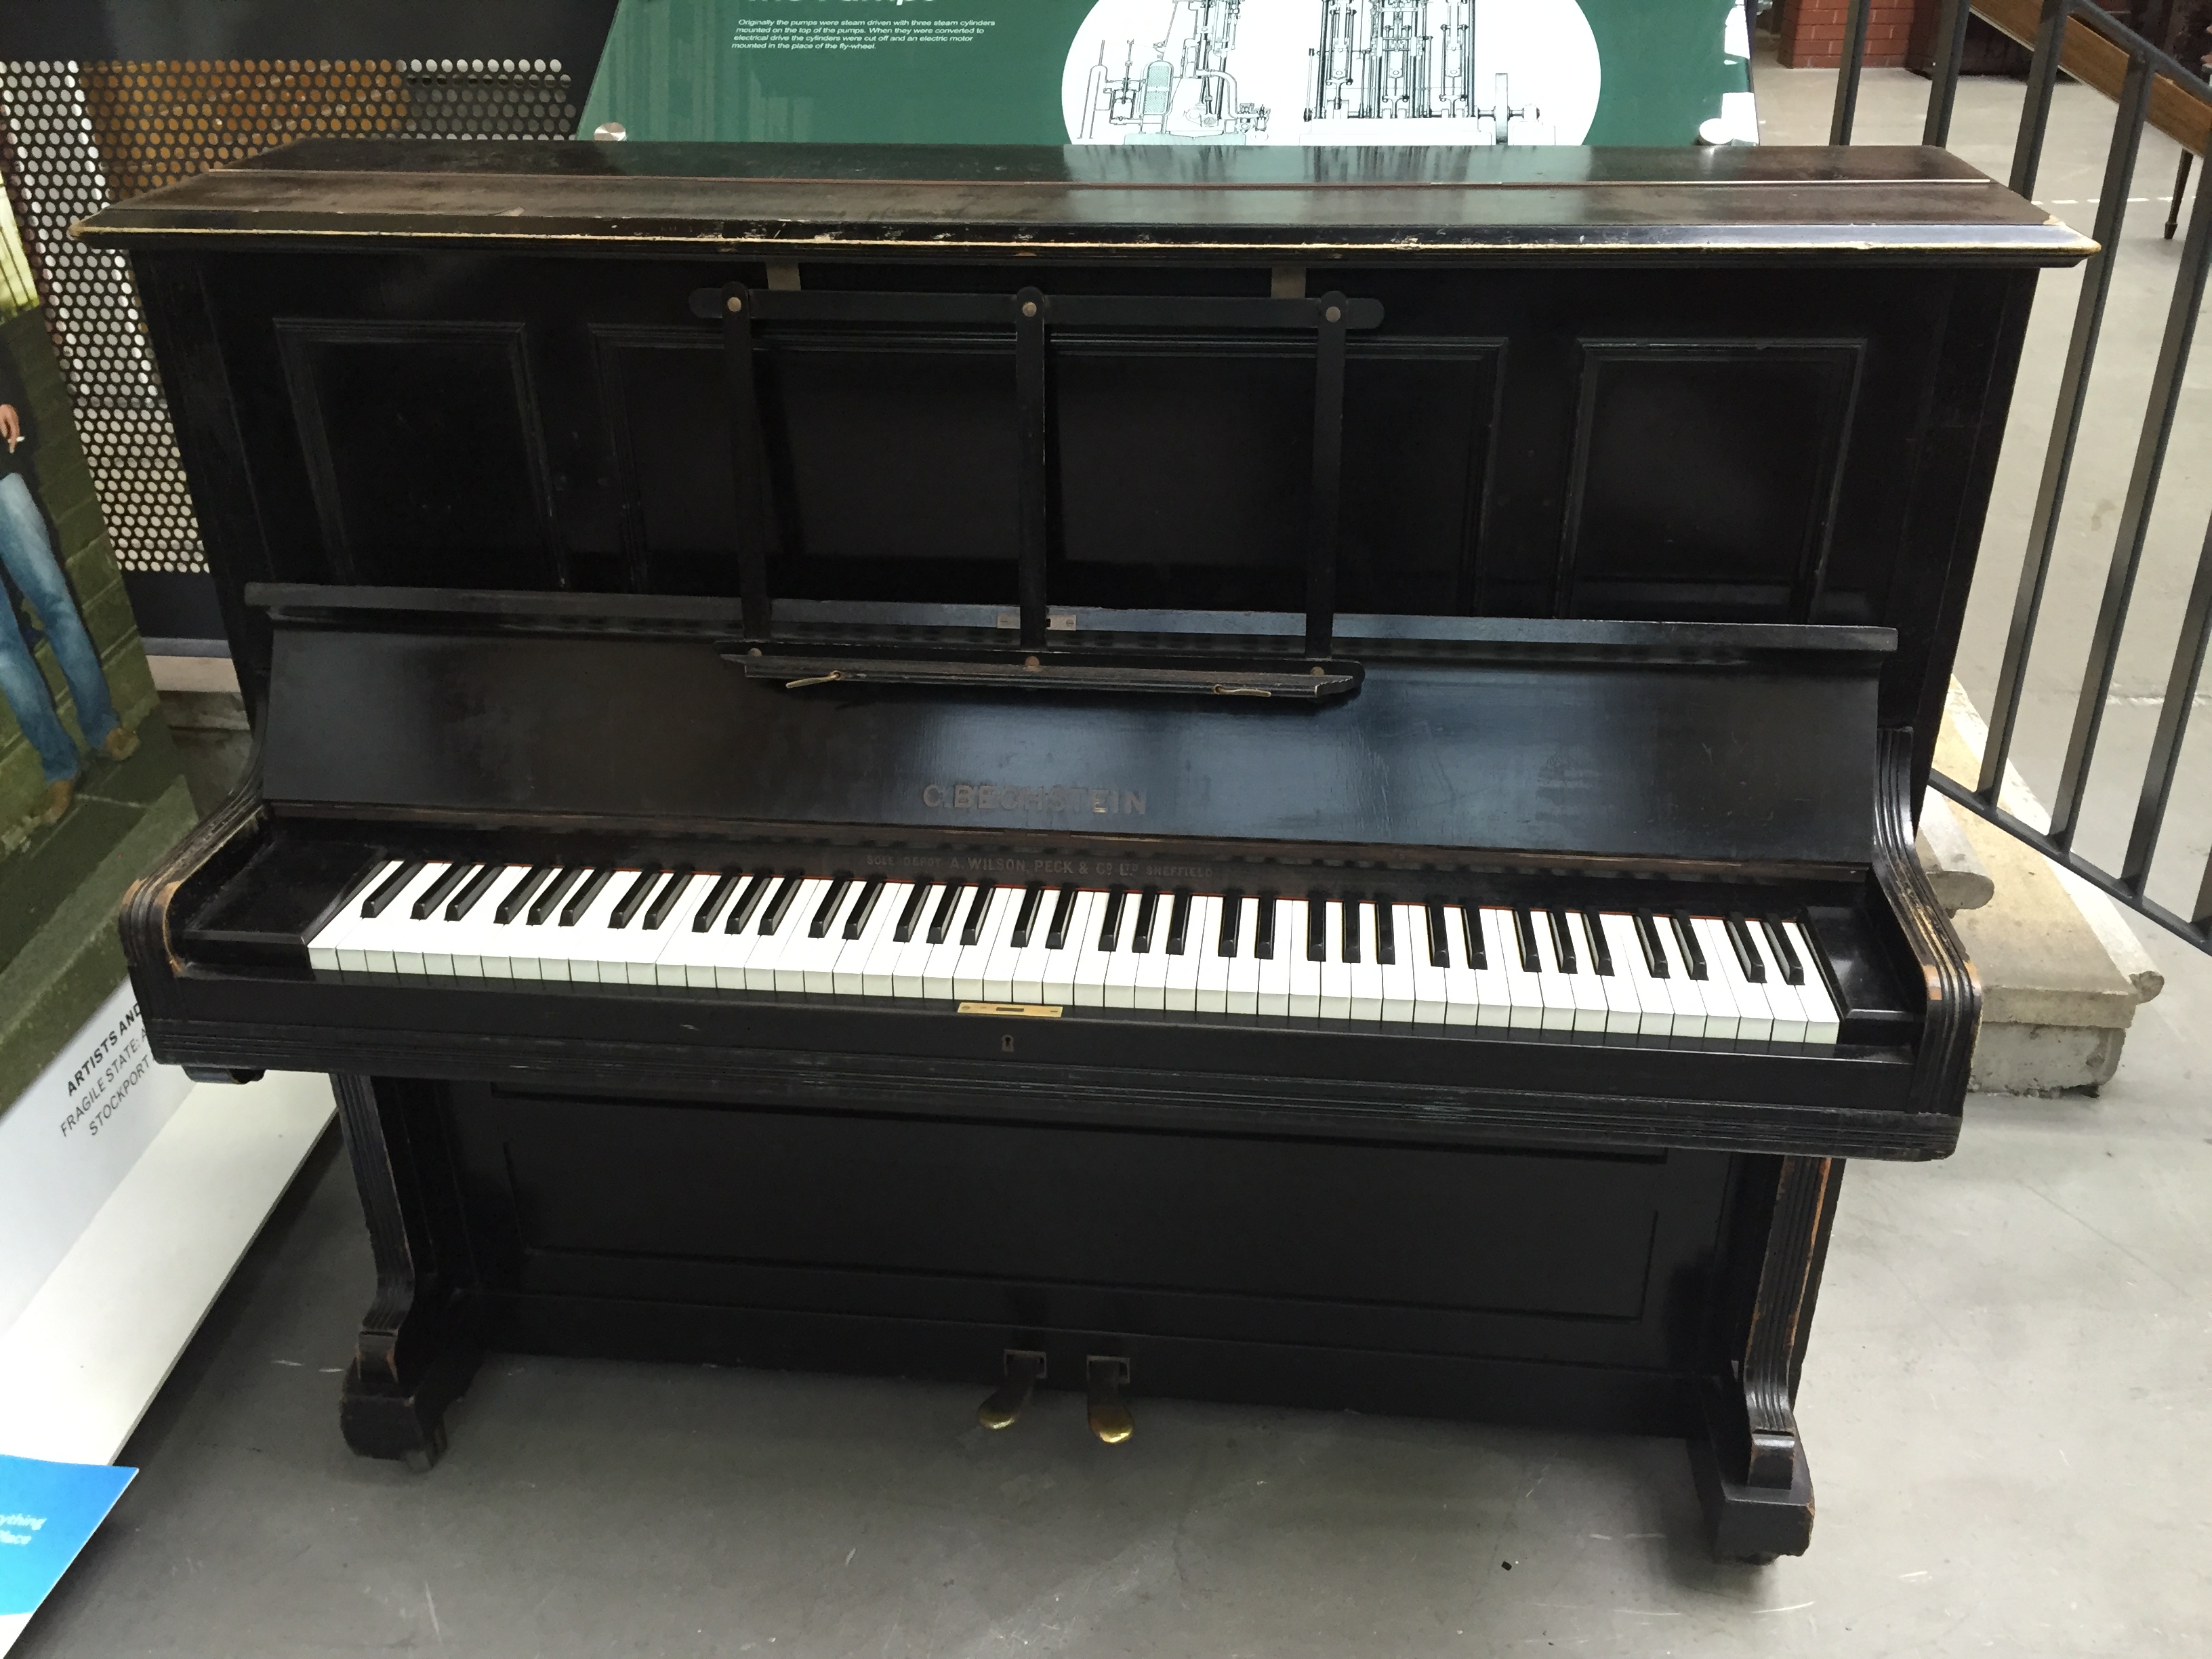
1185,94
1405,60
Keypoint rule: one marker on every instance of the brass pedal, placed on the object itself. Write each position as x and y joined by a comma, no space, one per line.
1107,1376
1004,1404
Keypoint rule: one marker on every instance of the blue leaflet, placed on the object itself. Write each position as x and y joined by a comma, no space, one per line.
46,1512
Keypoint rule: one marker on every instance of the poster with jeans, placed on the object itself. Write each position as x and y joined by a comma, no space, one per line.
92,788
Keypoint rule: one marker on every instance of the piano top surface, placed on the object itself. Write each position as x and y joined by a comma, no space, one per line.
1878,204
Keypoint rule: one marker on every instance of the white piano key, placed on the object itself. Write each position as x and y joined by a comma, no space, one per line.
323,947
583,941
1212,997
1524,991
1822,1022
1397,995
999,961
993,955
627,953
910,956
1655,1008
1275,993
1561,1006
1121,962
1335,973
1682,992
733,950
938,959
1362,974
1431,984
1754,1023
1624,1010
1241,995
1290,930
1721,1014
1582,983
782,926
982,908
391,942
476,944
819,958
1153,963
863,965
1093,963
1180,987
686,956
1026,969
1060,965
1783,999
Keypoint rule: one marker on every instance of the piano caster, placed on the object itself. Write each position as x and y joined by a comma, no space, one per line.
1024,1370
1106,1376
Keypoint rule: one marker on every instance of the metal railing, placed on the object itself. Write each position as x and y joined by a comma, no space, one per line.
2147,65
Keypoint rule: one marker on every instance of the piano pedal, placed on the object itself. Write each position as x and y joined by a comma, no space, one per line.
1024,1369
1107,1376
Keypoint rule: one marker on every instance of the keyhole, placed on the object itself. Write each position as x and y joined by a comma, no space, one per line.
1006,1043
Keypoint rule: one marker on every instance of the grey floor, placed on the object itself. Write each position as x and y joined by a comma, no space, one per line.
2008,1404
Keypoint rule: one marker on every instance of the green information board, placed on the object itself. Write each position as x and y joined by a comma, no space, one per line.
1178,71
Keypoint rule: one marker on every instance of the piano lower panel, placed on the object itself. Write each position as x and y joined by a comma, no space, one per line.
1516,1284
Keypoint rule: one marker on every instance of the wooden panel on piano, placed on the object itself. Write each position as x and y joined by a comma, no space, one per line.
1537,742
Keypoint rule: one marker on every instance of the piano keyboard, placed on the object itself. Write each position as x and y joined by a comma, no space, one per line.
1750,978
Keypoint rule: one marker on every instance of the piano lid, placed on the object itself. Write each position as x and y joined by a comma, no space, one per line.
1871,204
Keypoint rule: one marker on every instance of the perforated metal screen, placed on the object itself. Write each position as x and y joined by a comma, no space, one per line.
79,135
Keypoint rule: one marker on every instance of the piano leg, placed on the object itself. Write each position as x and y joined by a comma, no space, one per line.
417,1352
1750,1466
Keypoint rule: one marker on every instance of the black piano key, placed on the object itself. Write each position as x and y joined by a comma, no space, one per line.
1785,953
910,918
1746,950
633,900
479,885
1232,917
755,890
511,906
1386,932
1148,908
1055,938
717,895
1348,927
1470,929
1109,927
1316,927
1562,942
556,889
1524,934
779,905
1025,919
1263,930
1179,922
940,920
864,907
573,912
1692,953
979,912
1655,951
825,914
441,890
1601,950
391,888
664,902
1439,935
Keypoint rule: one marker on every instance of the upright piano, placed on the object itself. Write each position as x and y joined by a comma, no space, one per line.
1262,774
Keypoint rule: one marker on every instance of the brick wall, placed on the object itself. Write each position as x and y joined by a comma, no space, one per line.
1812,33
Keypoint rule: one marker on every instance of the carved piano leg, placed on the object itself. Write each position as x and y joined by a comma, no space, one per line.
1750,1464
416,1353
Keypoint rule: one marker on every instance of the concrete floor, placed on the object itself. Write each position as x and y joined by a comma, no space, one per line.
2008,1404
